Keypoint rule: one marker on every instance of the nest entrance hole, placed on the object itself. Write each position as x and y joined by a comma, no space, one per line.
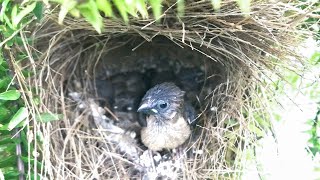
113,74
119,72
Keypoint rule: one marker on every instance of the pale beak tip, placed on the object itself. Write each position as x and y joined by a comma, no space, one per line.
143,107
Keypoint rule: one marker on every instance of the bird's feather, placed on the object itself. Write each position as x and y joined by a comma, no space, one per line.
168,117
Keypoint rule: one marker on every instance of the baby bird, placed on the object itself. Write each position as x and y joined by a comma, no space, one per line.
167,123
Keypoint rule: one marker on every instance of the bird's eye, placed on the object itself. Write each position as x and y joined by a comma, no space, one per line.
162,104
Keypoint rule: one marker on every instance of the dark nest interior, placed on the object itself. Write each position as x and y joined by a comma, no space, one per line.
97,81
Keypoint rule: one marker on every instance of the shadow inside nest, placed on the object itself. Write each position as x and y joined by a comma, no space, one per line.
111,94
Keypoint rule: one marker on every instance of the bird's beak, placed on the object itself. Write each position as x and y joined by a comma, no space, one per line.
145,107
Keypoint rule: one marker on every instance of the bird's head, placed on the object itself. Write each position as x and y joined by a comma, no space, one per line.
162,101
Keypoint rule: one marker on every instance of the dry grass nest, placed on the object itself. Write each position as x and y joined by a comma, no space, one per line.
234,54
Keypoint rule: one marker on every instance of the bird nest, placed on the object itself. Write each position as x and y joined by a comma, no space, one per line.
224,56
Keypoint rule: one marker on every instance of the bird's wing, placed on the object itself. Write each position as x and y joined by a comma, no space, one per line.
189,114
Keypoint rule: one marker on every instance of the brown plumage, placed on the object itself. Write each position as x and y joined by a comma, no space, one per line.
167,122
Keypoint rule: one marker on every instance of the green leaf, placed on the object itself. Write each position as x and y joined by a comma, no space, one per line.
11,174
36,100
231,122
122,9
14,11
75,13
1,58
24,12
33,176
3,9
262,122
131,7
216,4
58,1
10,95
293,79
8,162
24,141
2,68
8,139
141,7
277,117
38,10
90,12
180,7
65,8
315,58
6,132
3,63
47,117
32,161
244,5
256,130
105,7
5,82
8,22
156,8
21,115
8,148
40,137
4,113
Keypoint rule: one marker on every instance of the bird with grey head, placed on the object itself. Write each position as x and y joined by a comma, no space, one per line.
167,119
